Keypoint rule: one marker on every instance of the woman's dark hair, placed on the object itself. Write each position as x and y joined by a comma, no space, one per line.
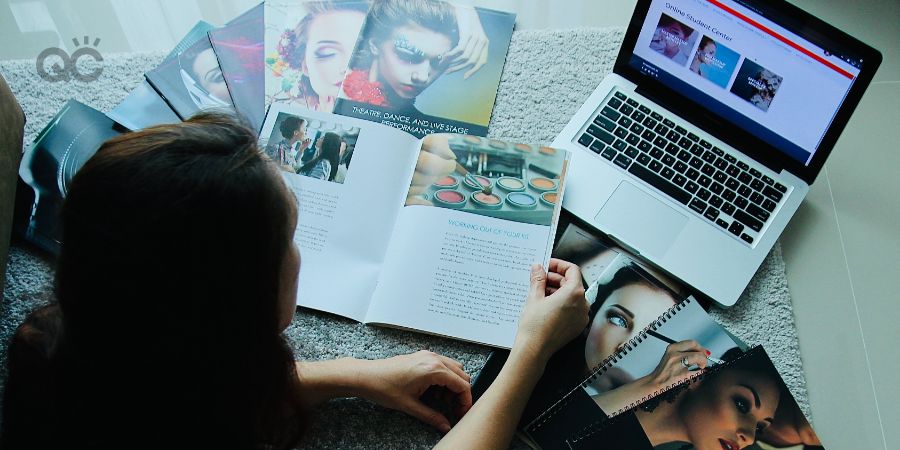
173,240
330,151
292,47
386,15
289,125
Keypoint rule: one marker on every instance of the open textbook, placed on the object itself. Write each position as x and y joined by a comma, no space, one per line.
436,235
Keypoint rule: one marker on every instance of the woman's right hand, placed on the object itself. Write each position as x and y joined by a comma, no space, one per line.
672,368
555,311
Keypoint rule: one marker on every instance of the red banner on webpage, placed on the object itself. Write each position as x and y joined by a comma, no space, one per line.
781,38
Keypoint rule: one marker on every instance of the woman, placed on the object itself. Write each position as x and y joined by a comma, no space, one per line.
623,305
727,410
325,165
706,53
672,39
177,275
403,52
319,48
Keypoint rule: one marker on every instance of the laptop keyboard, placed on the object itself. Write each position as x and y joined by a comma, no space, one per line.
677,162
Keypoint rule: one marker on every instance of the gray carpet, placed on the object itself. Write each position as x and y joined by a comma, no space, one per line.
548,75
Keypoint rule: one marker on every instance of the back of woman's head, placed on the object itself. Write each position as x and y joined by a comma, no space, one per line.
173,239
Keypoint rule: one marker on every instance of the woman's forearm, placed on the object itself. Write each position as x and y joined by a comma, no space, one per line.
321,381
491,422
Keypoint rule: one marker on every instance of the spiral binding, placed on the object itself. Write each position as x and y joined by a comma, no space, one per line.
608,363
602,424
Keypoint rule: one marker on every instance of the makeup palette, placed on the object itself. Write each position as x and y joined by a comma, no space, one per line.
517,182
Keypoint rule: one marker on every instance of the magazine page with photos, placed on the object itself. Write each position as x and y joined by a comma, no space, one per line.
478,212
349,177
308,45
742,403
239,48
427,66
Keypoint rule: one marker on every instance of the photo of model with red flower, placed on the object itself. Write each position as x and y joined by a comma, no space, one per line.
427,66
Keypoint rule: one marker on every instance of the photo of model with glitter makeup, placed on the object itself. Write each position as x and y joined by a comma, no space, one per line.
307,48
517,182
673,39
427,66
312,148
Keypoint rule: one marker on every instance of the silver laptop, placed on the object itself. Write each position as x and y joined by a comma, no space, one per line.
700,146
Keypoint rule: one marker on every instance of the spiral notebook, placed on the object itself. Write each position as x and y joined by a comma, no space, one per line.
629,375
741,403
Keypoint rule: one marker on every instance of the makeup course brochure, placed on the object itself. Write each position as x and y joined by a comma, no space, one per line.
437,234
427,67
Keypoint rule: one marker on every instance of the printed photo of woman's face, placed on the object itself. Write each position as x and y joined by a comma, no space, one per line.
707,52
729,411
330,42
410,59
209,75
622,316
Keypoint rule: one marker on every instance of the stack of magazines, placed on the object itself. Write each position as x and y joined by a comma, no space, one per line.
423,67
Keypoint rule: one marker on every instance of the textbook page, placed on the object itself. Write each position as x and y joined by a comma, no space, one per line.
346,214
461,251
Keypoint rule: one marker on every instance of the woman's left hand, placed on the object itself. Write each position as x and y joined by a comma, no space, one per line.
472,49
399,383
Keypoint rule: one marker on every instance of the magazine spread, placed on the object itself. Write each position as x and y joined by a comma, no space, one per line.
436,235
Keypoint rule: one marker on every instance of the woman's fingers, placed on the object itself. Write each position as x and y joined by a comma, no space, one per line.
432,164
456,367
426,414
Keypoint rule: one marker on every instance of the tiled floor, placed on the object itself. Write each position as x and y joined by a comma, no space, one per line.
840,249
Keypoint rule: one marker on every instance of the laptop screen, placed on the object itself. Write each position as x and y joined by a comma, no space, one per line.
747,69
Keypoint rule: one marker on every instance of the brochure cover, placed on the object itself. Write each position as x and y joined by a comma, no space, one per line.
143,107
239,49
307,48
427,66
47,168
191,81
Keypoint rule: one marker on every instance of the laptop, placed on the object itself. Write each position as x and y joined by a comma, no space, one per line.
700,146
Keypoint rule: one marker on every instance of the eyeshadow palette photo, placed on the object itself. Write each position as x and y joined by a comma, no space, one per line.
516,182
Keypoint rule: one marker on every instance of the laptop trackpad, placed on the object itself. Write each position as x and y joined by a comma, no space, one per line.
640,221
